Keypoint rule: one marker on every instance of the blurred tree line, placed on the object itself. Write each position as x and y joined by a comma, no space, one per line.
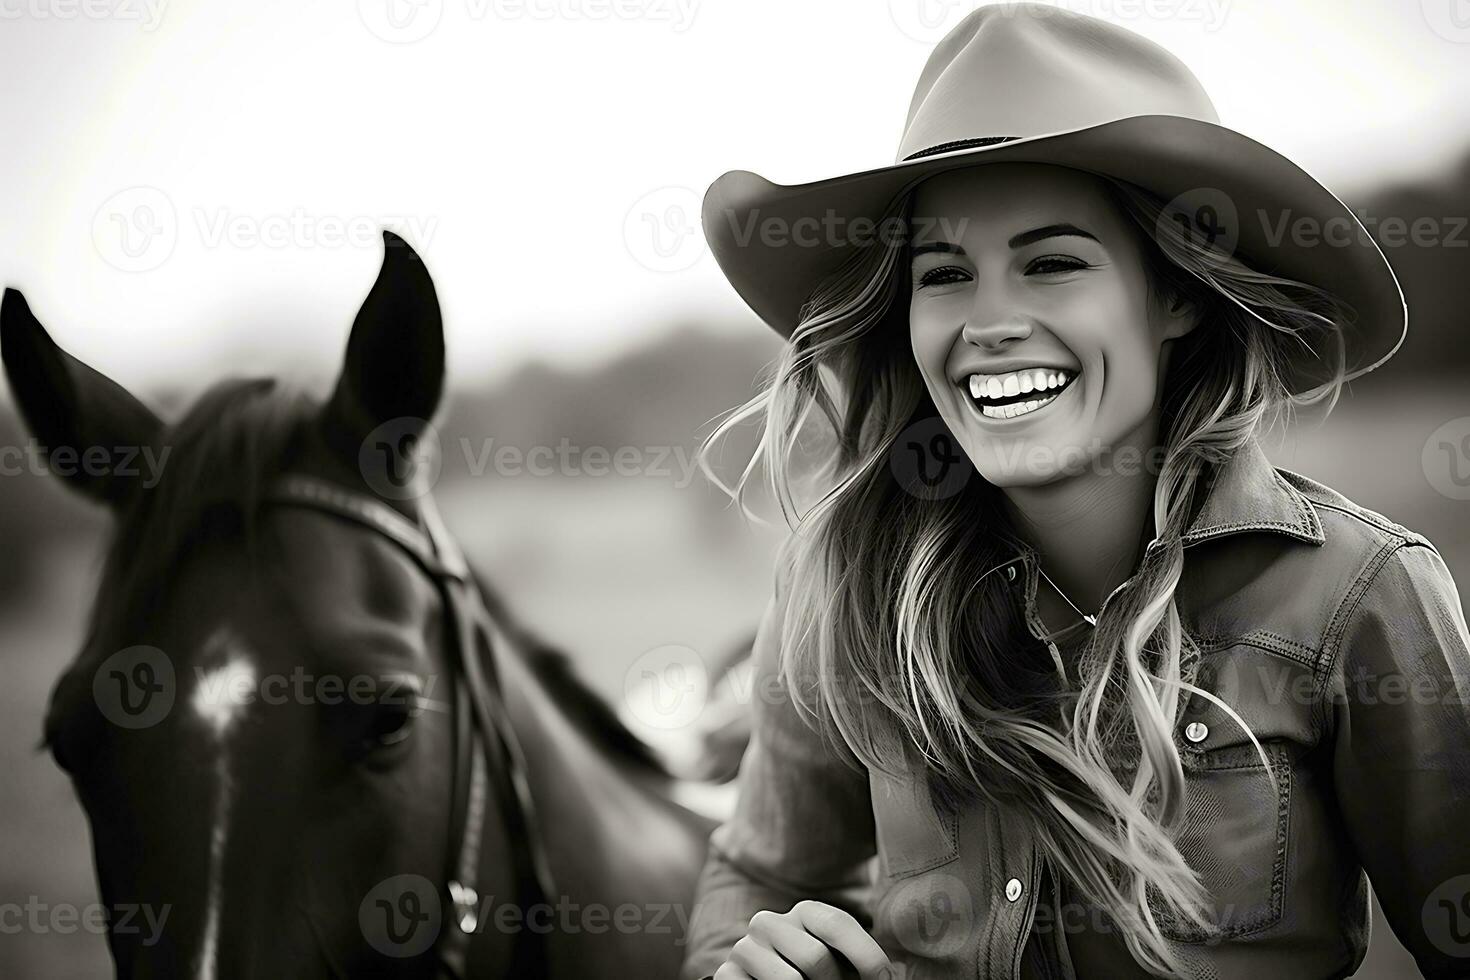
665,392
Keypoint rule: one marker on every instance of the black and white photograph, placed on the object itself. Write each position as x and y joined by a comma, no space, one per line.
735,489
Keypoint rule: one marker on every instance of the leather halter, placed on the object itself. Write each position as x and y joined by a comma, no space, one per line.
487,753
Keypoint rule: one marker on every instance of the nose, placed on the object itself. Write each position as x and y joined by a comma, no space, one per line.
994,330
998,317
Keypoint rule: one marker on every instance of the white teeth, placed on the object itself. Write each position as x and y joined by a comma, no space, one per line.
1016,383
1016,408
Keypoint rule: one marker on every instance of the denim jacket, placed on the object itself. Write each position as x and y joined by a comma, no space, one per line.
1335,633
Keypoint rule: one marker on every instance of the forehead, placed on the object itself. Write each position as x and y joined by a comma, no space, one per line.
330,599
999,199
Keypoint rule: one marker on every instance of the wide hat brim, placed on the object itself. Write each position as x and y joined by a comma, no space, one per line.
776,242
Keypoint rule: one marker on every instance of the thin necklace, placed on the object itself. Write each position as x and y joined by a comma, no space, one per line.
1091,620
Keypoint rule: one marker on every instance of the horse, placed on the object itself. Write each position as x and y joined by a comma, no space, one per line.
309,740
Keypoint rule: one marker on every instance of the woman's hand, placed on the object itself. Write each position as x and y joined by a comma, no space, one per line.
803,943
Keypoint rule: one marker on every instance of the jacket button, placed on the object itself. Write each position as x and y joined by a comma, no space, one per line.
1196,731
1013,889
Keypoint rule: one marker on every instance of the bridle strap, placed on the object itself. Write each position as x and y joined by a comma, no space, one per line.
486,747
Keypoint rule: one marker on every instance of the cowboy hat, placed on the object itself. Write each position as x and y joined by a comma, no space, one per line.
1029,83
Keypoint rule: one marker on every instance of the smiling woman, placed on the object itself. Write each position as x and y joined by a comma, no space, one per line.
1077,301
1077,767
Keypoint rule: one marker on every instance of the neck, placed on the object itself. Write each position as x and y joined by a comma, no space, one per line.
1089,528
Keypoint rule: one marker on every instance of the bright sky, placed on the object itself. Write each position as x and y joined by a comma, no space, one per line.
190,187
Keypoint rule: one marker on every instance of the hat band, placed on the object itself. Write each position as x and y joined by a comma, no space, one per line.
958,145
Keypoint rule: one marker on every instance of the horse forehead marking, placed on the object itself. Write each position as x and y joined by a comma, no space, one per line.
224,685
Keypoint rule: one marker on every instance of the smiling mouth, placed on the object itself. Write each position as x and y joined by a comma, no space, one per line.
1002,401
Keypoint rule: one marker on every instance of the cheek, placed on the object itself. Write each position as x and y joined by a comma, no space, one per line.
930,342
1129,356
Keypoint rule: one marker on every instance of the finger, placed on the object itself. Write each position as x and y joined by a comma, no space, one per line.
844,934
761,962
795,945
729,971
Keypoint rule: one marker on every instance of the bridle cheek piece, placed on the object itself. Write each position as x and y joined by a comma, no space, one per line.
486,750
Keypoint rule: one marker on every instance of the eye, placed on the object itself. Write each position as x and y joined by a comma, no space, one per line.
370,725
944,275
389,725
1053,264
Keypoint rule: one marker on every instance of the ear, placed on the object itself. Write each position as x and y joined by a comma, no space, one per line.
1179,315
81,418
394,366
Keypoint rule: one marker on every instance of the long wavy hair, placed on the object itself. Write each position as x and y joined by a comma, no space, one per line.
897,639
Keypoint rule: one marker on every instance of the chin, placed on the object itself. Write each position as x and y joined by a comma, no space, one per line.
1021,476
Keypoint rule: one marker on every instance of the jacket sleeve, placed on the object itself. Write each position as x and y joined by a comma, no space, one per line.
1401,700
802,826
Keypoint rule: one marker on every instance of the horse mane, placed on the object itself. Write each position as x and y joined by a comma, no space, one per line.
553,668
237,438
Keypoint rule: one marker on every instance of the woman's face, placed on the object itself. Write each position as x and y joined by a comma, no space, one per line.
1032,320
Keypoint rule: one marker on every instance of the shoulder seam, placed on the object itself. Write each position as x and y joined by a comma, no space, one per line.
1337,625
1363,514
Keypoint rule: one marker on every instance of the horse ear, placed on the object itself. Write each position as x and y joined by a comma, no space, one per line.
75,413
394,367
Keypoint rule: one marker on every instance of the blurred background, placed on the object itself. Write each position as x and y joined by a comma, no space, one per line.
192,190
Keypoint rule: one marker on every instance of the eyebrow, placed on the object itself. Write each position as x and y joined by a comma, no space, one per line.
1018,241
1050,231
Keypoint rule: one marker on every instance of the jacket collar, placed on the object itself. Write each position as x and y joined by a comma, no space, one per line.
1249,494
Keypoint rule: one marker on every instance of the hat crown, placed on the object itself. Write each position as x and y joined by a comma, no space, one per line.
1028,69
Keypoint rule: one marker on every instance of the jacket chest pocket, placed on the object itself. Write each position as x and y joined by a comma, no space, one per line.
913,834
1234,836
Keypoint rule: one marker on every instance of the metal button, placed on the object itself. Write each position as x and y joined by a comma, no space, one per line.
1013,889
1196,731
1011,572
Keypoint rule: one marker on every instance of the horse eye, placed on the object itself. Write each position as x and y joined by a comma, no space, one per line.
391,724
376,724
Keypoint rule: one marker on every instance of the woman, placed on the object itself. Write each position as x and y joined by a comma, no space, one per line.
1102,691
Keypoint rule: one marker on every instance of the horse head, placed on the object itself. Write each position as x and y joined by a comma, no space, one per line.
261,725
